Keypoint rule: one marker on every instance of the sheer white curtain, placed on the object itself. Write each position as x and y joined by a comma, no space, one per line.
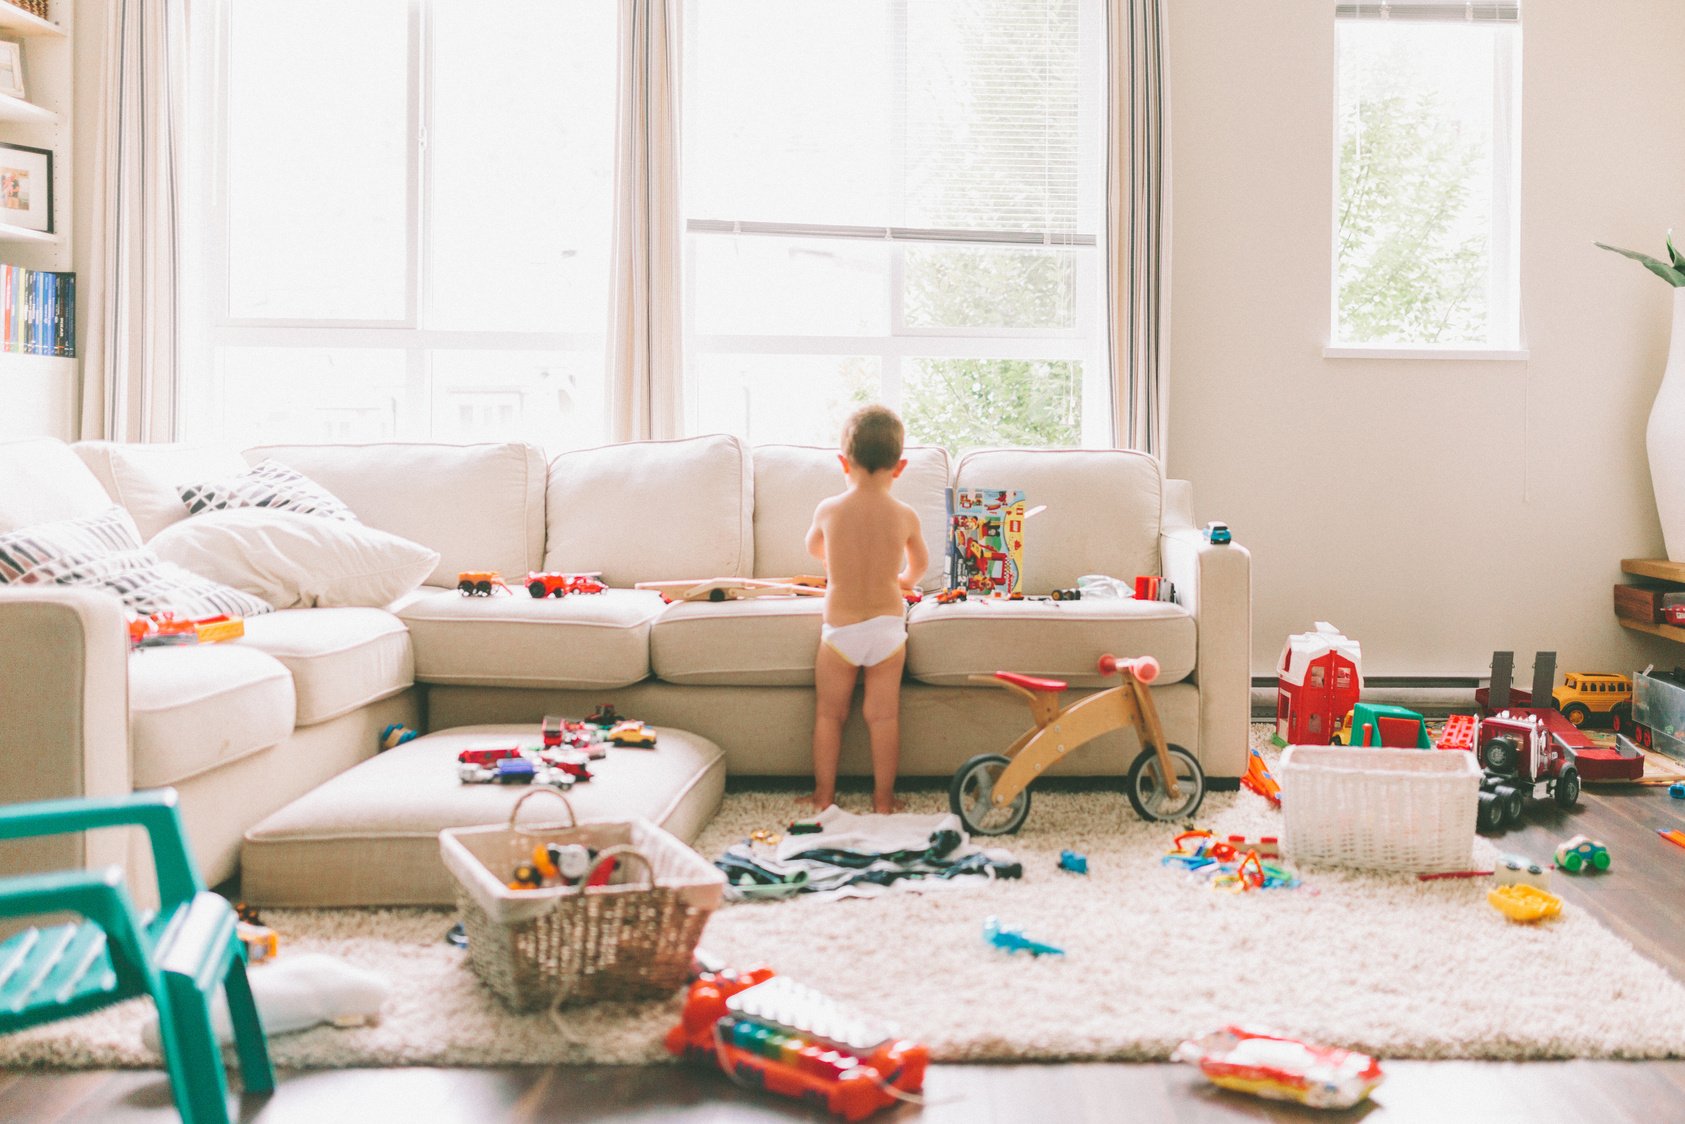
1138,220
131,293
645,347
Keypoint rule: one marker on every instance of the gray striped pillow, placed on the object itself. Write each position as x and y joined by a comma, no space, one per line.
268,484
104,551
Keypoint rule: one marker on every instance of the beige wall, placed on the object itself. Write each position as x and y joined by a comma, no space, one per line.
1433,509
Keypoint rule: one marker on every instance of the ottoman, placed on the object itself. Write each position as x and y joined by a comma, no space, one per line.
370,836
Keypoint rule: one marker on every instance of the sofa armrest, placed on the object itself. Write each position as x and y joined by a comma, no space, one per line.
64,715
1214,583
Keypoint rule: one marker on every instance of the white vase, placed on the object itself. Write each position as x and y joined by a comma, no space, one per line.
1665,437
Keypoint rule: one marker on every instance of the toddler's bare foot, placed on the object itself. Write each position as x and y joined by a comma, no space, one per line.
815,802
888,805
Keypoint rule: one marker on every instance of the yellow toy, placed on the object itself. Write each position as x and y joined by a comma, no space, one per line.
1584,695
1521,902
990,793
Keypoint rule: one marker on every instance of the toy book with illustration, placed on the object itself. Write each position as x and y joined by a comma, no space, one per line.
985,540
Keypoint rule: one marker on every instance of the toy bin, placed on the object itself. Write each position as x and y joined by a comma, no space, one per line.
1382,809
631,938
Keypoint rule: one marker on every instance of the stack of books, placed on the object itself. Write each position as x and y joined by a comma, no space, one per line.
37,312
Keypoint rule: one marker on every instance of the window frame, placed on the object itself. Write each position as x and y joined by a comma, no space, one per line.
1505,254
221,330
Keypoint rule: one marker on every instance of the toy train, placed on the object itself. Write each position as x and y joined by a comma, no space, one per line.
770,1032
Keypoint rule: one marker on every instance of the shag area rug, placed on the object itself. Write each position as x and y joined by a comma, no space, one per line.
1384,963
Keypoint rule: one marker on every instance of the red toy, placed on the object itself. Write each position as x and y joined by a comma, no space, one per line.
1522,758
1259,779
487,757
1281,1068
552,584
768,1032
1319,679
1459,732
165,629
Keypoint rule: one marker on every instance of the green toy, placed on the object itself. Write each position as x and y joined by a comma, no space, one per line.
178,956
1377,724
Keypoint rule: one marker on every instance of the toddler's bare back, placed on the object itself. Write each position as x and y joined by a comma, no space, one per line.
866,535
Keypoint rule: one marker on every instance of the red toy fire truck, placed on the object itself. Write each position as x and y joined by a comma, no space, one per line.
1522,758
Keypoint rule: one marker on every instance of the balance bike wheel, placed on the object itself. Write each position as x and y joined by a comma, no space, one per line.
1146,788
971,792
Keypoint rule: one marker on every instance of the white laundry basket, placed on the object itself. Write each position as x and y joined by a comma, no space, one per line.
1382,809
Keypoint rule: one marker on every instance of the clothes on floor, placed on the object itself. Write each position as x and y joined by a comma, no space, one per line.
863,856
869,642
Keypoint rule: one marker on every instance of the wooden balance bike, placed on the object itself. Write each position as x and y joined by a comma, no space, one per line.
991,792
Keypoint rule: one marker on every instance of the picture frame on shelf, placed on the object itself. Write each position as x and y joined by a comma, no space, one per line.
26,187
11,68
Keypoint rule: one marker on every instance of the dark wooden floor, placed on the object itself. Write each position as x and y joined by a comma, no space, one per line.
1642,897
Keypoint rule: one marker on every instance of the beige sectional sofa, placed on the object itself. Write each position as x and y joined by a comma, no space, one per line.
243,728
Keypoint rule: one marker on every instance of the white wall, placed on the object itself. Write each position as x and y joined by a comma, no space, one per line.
1435,510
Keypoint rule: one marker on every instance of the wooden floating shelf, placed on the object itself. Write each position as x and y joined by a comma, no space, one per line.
16,21
16,109
1654,568
1667,631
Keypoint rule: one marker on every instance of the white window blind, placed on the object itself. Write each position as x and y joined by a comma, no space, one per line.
1442,12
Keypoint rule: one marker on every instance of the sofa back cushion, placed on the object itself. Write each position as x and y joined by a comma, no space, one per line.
42,481
480,506
1104,509
790,480
652,510
145,479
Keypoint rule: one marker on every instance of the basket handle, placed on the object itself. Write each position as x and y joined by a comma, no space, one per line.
609,853
573,818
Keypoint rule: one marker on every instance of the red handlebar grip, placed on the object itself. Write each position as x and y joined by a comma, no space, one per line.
1144,668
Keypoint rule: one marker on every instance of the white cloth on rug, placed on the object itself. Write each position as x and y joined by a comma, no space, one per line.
847,831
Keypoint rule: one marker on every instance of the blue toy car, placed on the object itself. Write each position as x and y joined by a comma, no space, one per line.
1217,533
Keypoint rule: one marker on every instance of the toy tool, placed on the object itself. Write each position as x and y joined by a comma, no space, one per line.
990,793
767,1031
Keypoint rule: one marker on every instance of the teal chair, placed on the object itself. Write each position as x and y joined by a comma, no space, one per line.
179,955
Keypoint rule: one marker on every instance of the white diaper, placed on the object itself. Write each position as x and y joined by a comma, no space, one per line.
868,643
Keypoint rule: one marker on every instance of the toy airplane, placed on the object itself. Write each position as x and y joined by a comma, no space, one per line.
731,589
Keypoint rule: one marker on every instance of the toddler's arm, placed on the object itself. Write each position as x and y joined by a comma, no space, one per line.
816,535
918,555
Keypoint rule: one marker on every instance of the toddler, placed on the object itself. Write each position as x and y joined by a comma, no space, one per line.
873,552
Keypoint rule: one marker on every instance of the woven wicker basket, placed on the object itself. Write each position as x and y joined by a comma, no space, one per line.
630,939
1381,809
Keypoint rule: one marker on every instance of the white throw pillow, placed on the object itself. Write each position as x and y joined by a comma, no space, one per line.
104,551
269,484
292,560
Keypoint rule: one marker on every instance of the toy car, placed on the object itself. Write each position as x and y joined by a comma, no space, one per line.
632,733
949,596
1280,1068
553,584
1067,595
1521,758
1582,853
1585,694
1217,533
488,756
605,715
480,583
1673,614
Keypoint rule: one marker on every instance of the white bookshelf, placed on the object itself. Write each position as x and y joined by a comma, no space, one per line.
39,395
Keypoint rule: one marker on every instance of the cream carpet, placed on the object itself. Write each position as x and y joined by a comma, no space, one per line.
1384,963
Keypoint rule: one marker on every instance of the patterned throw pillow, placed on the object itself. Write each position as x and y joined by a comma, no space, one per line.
270,484
104,551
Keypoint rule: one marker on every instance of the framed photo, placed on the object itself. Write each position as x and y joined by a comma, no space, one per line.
11,69
26,187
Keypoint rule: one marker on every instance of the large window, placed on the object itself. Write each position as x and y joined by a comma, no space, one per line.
896,201
1427,153
407,210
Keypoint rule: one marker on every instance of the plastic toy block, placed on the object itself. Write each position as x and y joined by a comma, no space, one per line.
1524,903
1518,870
1073,862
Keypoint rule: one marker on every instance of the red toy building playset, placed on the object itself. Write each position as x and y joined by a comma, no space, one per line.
1320,677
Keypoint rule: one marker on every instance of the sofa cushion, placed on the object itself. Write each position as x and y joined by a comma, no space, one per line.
761,642
790,480
340,659
42,481
1064,639
370,836
103,551
480,506
292,560
144,478
653,510
195,708
582,640
269,484
1103,511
